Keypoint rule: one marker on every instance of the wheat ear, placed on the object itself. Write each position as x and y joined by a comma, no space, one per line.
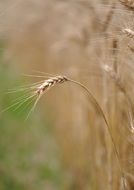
44,87
47,84
129,32
122,88
109,18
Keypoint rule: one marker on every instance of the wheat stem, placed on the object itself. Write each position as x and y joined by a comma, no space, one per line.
129,4
122,88
93,99
47,84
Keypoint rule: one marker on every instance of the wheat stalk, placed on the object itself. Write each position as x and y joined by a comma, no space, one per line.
51,82
129,4
109,17
122,88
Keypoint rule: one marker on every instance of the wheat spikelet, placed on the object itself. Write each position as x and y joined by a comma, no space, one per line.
128,32
114,76
47,84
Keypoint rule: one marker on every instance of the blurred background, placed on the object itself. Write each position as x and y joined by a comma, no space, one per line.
64,144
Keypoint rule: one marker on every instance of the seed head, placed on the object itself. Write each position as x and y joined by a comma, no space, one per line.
47,84
128,32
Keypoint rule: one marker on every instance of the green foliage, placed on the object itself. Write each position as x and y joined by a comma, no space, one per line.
28,151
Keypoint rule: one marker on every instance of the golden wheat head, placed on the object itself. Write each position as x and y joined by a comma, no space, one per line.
47,84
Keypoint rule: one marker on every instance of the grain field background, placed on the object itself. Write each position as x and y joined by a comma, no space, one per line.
65,143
